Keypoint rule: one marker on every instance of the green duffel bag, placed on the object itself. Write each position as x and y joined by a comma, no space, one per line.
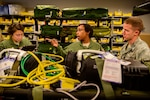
75,12
45,47
51,31
147,63
84,12
42,11
101,31
69,32
96,12
65,31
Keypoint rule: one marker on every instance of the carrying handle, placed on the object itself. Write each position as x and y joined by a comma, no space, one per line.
80,52
20,55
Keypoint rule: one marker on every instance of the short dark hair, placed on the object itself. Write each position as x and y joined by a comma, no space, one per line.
14,27
88,28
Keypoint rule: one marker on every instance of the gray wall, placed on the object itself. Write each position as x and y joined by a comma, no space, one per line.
113,5
125,5
146,21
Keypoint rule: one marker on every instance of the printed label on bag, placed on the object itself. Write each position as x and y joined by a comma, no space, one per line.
112,71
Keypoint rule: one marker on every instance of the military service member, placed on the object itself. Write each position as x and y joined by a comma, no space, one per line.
83,34
17,38
134,48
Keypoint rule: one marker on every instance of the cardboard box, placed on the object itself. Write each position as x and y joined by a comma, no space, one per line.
145,37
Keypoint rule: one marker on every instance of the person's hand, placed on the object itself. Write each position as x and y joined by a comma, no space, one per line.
53,42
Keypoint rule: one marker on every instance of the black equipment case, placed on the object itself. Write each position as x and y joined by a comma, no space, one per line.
135,80
135,76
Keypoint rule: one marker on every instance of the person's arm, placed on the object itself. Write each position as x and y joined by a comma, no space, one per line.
27,41
1,38
1,46
58,48
144,54
61,51
101,48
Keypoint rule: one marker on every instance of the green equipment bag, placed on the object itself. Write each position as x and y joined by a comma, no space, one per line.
73,12
101,31
45,47
84,12
96,12
147,63
69,32
42,11
51,31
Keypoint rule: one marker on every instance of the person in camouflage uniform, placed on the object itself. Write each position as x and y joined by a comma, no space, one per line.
135,48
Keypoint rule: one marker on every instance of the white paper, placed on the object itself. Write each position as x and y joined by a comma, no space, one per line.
108,55
112,71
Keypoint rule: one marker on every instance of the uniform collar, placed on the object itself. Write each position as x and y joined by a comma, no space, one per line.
91,42
132,46
12,42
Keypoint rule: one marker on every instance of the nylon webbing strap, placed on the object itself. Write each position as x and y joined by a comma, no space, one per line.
107,88
37,93
147,63
1,90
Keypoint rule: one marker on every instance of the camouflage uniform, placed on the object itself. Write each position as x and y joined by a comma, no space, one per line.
138,51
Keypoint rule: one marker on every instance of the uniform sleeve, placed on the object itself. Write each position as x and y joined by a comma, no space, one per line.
1,38
60,51
26,41
1,46
144,54
101,48
29,42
